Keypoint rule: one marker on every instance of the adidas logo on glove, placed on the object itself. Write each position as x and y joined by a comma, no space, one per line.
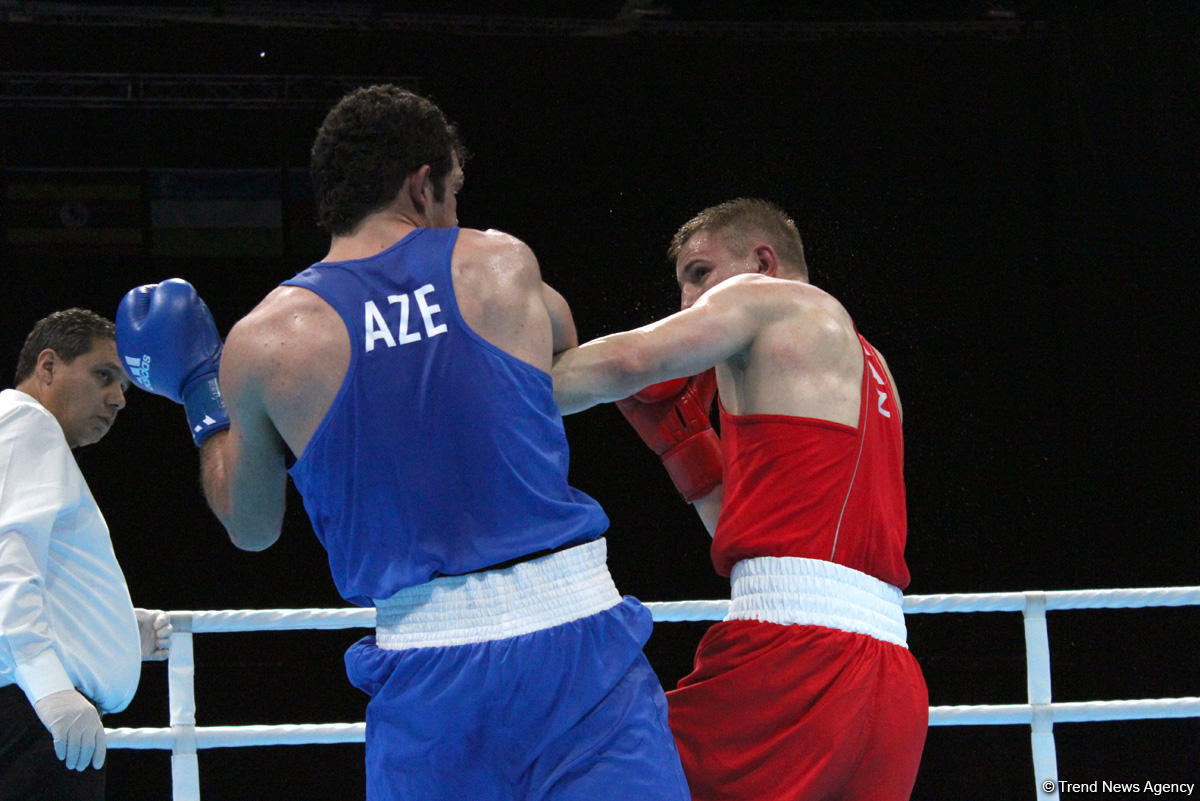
139,370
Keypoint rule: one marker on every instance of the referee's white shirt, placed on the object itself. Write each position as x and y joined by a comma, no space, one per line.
66,619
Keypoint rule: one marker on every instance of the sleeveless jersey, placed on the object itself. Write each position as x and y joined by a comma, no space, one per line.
797,486
441,453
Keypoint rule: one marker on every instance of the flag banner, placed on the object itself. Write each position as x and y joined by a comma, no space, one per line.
216,213
65,212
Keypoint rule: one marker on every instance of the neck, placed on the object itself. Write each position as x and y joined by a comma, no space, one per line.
376,233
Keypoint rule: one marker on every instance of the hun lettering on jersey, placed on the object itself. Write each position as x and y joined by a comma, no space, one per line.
880,386
397,316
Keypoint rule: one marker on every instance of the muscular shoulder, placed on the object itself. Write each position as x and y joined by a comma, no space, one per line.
282,315
289,328
494,274
490,241
795,321
495,252
501,296
777,298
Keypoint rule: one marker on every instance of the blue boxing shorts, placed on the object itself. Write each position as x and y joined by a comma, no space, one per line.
524,683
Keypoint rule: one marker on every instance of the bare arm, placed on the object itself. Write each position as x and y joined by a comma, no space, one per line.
243,470
562,324
709,508
722,323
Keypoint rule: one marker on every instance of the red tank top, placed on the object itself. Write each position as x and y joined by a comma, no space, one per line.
797,486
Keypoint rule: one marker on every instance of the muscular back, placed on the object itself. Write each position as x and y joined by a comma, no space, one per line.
300,350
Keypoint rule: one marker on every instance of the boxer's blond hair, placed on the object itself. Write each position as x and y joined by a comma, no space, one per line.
739,223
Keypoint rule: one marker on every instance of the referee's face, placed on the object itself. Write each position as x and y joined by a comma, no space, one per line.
85,394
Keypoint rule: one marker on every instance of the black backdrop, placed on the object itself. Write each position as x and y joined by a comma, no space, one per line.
1010,219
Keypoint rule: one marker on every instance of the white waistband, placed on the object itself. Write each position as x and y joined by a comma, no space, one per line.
813,592
498,604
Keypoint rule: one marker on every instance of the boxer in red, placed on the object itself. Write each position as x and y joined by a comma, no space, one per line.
807,689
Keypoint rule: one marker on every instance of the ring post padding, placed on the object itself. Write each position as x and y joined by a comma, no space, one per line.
181,692
1037,666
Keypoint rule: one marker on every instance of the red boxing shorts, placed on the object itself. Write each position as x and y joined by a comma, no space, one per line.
795,712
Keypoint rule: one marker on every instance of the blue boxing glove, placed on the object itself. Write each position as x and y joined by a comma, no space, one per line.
169,345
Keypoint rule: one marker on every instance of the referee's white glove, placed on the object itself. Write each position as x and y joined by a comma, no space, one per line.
154,629
75,726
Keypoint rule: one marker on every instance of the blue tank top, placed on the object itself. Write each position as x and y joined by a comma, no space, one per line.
441,453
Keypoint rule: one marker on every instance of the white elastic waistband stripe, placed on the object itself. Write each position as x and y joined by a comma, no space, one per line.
498,604
813,592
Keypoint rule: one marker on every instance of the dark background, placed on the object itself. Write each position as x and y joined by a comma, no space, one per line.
1004,196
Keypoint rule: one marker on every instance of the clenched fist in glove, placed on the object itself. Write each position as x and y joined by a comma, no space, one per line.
170,346
672,418
75,726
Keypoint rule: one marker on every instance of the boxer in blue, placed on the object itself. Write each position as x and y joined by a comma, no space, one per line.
408,374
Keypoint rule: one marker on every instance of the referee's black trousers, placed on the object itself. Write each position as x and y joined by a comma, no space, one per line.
29,770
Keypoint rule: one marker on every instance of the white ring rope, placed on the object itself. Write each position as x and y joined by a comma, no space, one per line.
692,611
981,715
238,736
1056,600
184,737
280,619
1066,712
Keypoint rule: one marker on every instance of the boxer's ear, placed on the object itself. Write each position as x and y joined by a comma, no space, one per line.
417,183
766,261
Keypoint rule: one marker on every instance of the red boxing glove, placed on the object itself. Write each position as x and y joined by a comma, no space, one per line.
672,418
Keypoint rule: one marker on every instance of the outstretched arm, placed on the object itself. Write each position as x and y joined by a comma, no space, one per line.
722,323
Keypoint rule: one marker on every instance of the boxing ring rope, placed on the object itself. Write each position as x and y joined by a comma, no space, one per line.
183,737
